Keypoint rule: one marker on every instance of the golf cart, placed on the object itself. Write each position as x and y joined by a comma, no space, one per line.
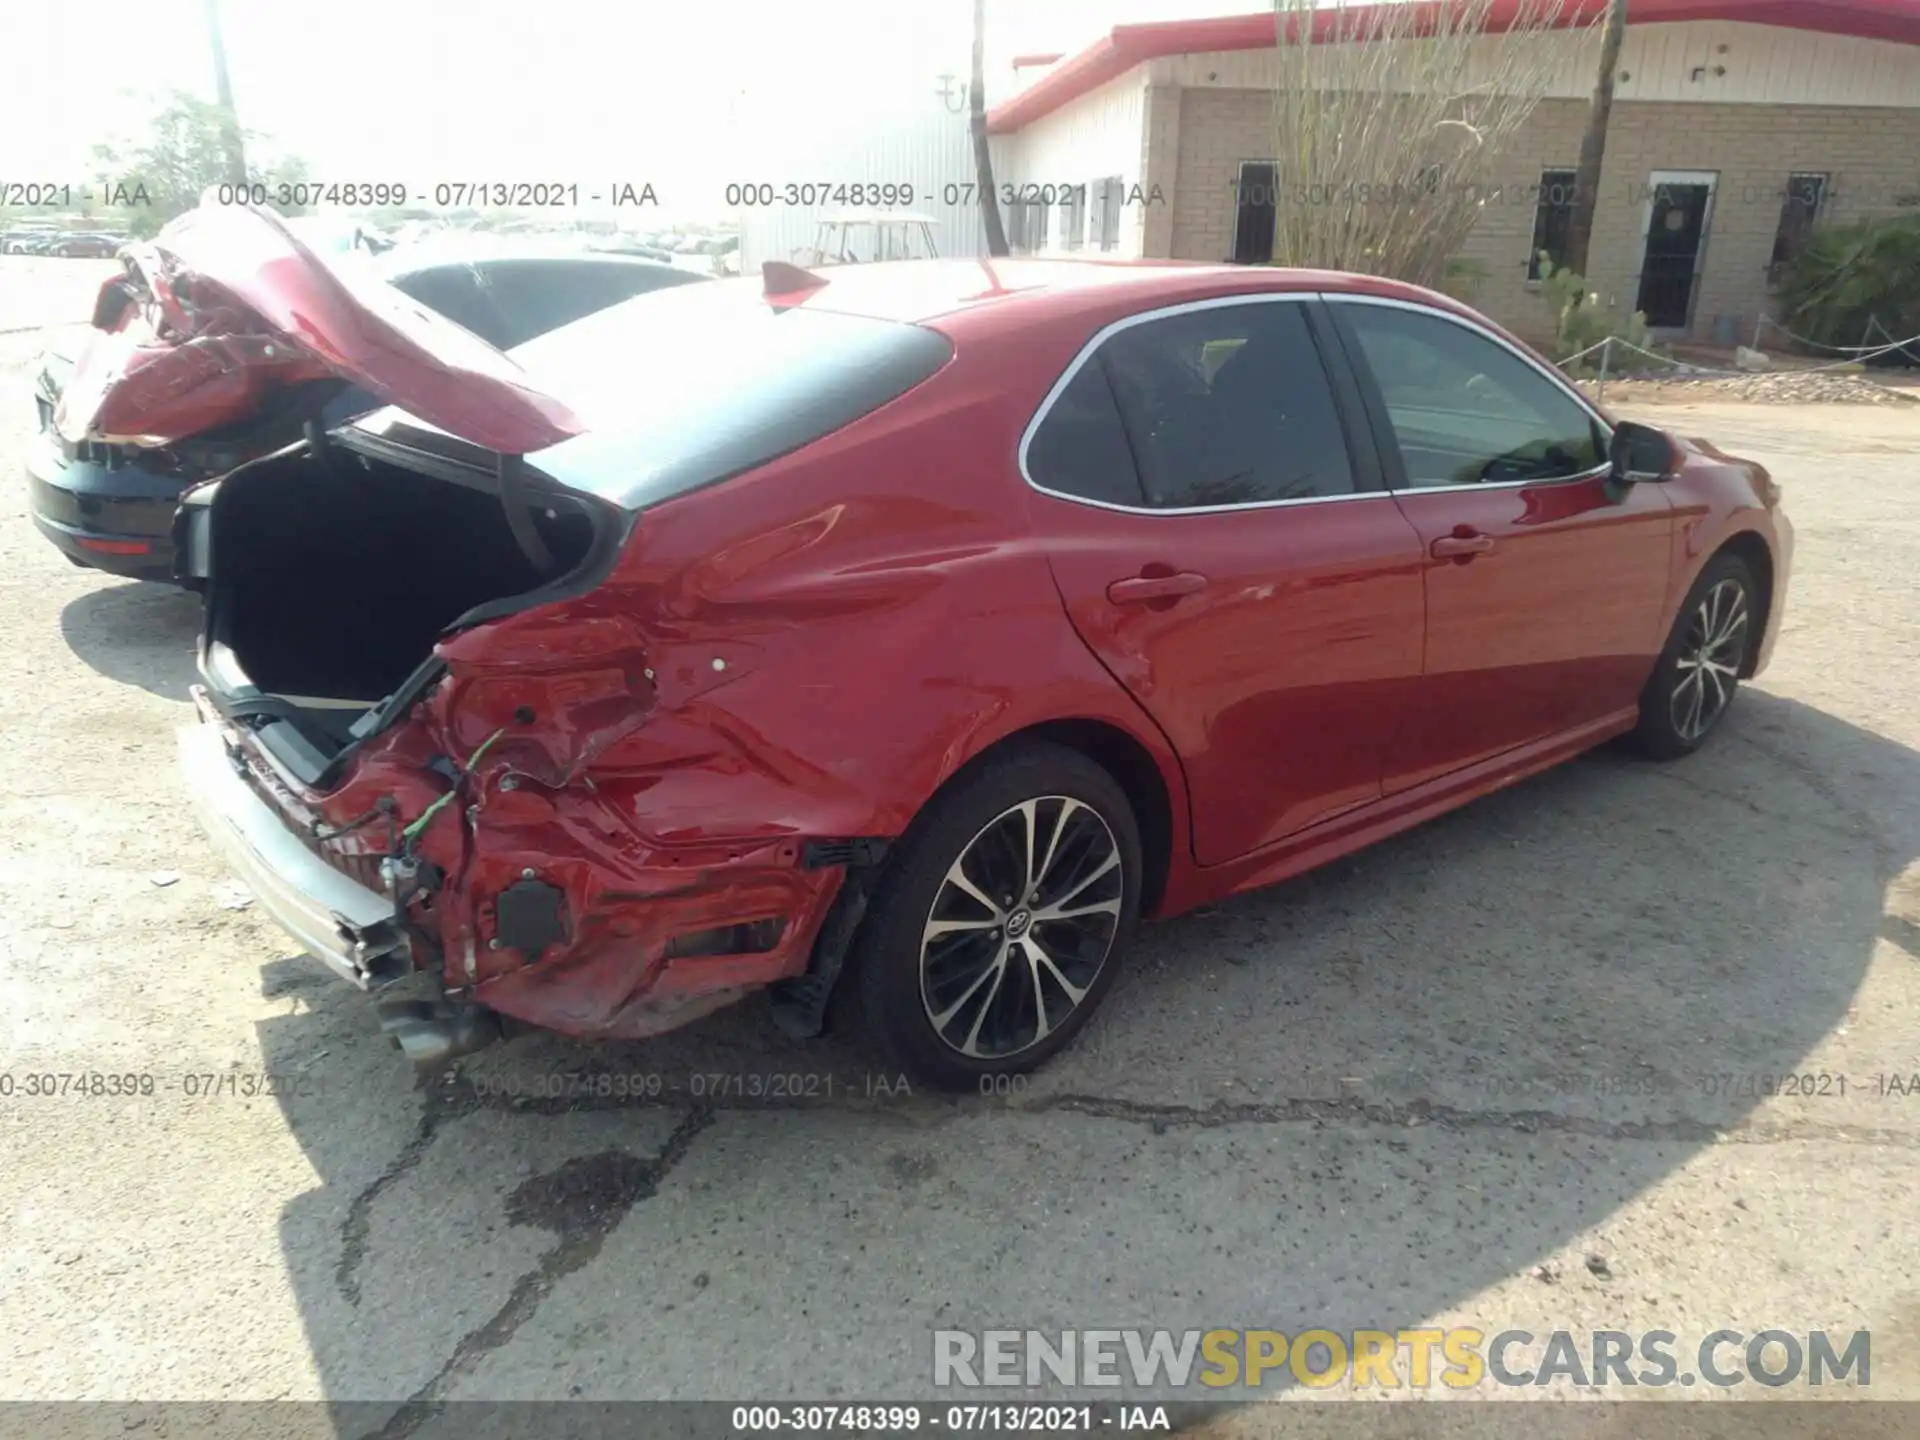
850,237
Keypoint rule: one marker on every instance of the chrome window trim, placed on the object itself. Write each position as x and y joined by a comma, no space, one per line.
1220,302
1599,472
1296,297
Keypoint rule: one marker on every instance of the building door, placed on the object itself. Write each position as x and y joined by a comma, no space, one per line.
1253,214
1679,204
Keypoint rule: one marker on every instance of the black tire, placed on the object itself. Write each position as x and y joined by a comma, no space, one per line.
1685,700
1078,810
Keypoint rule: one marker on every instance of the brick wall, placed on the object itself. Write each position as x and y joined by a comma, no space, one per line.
1872,155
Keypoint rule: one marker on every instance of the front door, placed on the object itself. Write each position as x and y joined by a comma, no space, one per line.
1676,220
1213,519
1545,598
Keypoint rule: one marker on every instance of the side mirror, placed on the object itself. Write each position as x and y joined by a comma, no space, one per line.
1639,453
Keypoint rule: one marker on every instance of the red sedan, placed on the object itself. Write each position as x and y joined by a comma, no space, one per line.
914,628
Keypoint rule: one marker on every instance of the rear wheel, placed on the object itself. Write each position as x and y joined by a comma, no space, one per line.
1698,674
1001,921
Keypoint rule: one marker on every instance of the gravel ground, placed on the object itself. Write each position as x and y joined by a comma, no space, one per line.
1785,388
1453,1080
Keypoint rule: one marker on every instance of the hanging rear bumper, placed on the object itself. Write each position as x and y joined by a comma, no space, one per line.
338,921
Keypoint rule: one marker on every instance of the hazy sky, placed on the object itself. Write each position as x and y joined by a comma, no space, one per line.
421,91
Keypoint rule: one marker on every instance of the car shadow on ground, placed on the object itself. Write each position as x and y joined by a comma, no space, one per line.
1354,1100
136,633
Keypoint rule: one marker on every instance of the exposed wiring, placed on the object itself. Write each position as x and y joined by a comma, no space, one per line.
382,807
412,832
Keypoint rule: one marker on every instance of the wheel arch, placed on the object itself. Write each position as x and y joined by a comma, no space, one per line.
1133,766
1751,548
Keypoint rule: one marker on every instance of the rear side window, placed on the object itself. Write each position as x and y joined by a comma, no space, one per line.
1081,449
1228,405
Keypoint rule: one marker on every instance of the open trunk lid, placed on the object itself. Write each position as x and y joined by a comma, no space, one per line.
236,305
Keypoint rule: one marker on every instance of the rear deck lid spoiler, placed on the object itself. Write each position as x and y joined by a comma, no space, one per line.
236,289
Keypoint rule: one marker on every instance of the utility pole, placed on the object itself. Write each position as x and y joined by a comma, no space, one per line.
1593,143
982,158
223,92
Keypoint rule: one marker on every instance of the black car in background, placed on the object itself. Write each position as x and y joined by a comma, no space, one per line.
111,506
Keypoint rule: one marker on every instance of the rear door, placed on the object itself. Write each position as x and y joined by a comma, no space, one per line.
1211,504
1545,596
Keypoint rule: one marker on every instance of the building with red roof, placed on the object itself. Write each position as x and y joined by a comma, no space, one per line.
1737,124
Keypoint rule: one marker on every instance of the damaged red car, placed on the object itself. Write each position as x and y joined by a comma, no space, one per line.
916,629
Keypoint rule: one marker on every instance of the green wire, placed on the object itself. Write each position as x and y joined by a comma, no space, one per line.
426,816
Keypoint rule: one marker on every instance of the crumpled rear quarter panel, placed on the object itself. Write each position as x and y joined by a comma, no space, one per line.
805,652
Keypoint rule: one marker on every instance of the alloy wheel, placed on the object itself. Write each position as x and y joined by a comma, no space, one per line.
1710,658
1020,927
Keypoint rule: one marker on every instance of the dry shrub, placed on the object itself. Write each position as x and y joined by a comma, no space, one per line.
1388,131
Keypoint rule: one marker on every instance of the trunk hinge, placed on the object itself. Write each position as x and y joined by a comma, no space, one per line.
513,499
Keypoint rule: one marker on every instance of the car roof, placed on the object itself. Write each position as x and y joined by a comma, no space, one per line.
982,295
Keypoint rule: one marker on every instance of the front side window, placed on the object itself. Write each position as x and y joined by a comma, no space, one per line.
1227,405
1466,410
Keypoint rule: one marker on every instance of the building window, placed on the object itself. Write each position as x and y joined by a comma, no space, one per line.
1073,217
1551,218
1026,225
1105,229
1799,209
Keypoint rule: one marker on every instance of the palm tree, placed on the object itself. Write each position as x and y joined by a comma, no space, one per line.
982,159
1593,145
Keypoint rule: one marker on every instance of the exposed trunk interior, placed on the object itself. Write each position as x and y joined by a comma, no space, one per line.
333,573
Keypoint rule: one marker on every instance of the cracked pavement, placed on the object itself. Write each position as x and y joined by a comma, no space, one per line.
1418,1087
